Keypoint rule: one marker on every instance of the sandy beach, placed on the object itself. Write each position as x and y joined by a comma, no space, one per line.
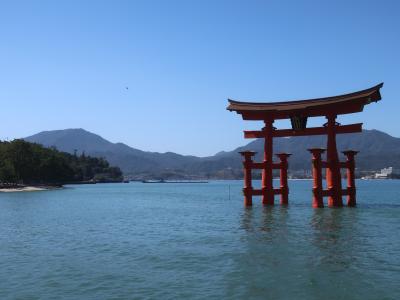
26,189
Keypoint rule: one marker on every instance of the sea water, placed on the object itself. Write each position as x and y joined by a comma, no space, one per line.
197,241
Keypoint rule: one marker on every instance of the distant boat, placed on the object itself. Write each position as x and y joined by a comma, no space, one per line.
186,181
173,181
153,181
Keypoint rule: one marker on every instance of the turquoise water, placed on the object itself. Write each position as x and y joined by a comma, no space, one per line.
197,241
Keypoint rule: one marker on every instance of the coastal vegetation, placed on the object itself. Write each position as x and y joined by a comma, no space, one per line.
29,163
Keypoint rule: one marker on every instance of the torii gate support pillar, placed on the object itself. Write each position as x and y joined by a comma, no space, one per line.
284,188
247,166
317,177
351,185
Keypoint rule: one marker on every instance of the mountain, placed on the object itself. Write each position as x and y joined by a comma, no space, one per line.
378,150
130,160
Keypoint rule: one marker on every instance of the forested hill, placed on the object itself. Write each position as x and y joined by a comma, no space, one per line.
29,163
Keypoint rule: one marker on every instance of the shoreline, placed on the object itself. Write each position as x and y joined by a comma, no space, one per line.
28,188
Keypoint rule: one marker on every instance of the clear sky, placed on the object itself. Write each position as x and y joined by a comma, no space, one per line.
67,65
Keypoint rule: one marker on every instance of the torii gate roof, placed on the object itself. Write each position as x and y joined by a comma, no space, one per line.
342,104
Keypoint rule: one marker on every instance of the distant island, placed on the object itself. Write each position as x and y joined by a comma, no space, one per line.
379,151
24,163
53,158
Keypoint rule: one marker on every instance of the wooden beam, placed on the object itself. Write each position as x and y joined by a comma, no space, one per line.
326,193
276,165
261,165
250,134
253,134
257,165
257,192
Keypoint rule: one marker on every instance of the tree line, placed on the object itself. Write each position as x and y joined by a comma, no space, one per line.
28,163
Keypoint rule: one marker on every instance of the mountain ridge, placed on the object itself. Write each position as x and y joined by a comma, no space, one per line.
378,150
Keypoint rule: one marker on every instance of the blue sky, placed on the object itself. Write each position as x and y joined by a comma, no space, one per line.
67,65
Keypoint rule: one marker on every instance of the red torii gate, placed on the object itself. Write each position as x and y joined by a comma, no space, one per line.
298,113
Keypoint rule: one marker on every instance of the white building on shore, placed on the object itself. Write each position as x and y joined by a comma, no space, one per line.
387,173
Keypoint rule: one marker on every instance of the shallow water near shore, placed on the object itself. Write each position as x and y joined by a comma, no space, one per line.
197,241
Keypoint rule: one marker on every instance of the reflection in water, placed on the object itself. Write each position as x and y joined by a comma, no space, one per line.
334,234
297,252
247,218
274,221
264,249
267,222
267,219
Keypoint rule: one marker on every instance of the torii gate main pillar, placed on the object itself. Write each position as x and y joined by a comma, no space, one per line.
267,179
333,177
